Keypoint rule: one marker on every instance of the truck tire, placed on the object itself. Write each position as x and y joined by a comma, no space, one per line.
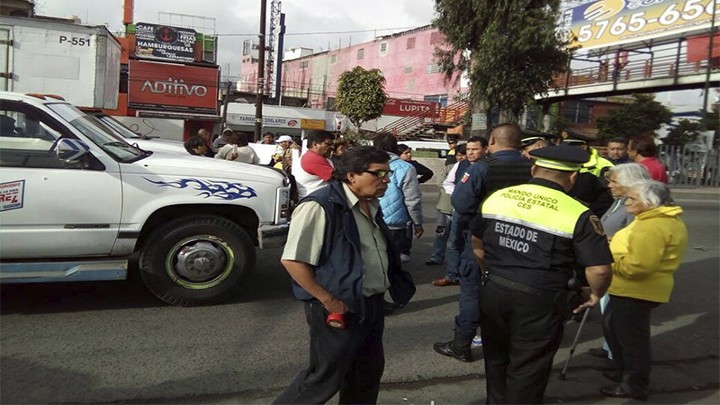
196,260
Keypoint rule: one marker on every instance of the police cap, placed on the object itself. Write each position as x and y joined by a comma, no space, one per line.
564,157
574,142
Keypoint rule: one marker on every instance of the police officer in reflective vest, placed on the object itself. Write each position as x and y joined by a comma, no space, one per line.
527,239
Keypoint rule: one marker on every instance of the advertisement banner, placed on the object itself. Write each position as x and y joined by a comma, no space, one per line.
606,23
164,42
169,87
249,119
306,123
406,108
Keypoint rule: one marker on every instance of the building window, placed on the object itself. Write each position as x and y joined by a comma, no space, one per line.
304,64
436,38
361,53
432,68
333,58
410,43
383,47
577,112
408,69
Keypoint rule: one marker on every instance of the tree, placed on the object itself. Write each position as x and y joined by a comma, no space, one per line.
683,133
643,117
361,95
510,48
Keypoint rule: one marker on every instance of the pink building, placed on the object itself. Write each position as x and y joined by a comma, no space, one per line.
406,60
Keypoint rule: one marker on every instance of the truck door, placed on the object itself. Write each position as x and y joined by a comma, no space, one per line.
50,208
5,71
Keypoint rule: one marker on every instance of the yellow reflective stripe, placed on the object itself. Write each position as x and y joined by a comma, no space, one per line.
544,208
554,164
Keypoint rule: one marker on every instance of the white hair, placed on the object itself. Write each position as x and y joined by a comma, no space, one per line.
652,193
629,173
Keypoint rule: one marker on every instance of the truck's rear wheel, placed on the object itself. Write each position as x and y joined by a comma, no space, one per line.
196,260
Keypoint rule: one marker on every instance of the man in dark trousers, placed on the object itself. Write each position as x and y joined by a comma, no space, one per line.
528,239
342,260
505,166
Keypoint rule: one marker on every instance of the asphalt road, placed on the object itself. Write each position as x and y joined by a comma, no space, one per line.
112,342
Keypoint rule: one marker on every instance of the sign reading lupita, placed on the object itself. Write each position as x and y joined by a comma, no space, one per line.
177,88
395,106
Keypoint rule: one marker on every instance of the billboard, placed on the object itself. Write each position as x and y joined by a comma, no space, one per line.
170,87
164,42
606,23
406,108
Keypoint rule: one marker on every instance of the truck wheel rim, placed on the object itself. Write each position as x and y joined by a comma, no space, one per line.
199,262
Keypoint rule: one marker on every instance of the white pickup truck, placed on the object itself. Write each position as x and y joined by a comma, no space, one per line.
76,202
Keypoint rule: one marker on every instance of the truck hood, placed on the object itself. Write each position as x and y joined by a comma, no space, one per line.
174,164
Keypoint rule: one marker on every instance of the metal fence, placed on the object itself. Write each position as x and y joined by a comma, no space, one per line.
688,166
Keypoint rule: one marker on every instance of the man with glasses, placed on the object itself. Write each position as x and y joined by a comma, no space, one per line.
315,168
341,266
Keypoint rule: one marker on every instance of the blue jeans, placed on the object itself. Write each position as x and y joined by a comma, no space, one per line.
441,239
468,319
457,244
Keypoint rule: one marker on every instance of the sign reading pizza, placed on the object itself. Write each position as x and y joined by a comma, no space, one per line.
164,42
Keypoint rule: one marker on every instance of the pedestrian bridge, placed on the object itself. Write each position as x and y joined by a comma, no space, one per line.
642,72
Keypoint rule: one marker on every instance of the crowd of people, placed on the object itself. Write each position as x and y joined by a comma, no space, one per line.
534,232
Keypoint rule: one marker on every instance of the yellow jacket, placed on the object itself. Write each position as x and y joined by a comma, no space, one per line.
647,252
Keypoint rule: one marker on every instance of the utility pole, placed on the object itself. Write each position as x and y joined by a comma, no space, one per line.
261,73
706,89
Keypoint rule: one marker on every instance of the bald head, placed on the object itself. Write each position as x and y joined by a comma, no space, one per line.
505,136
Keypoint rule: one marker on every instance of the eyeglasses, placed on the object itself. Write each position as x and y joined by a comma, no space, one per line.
608,176
380,174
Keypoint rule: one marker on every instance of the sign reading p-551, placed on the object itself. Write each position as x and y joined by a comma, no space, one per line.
75,41
613,22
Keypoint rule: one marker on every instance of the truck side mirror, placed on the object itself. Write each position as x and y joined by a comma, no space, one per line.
70,150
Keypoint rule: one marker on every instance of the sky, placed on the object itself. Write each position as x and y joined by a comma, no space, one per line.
316,24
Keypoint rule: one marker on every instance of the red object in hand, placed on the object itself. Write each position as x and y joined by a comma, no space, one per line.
336,321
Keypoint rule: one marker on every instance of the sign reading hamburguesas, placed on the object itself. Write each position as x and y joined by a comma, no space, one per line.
164,42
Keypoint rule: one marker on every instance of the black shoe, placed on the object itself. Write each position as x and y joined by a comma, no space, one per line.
390,307
617,391
432,262
613,375
602,353
449,349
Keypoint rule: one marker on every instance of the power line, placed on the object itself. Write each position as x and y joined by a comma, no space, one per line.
320,32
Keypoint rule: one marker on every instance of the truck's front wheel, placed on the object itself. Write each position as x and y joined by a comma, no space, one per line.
196,260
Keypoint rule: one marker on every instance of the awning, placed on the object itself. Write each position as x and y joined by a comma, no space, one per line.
176,115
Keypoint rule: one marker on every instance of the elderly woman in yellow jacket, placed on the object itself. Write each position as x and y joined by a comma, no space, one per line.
647,253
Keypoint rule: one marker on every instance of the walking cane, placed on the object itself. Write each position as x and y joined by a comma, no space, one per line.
574,344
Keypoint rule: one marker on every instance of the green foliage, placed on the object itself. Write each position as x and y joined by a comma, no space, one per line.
356,137
685,132
361,95
643,117
514,48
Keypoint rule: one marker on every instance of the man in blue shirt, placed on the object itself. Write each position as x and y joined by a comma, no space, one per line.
508,167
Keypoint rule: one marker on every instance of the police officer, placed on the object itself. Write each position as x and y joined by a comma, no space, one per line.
505,166
528,238
590,186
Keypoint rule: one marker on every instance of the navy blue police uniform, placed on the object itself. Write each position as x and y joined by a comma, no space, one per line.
533,235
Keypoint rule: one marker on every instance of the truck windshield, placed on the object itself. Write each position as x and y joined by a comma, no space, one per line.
118,127
112,144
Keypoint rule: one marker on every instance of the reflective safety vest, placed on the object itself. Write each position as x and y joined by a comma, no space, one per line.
530,229
596,164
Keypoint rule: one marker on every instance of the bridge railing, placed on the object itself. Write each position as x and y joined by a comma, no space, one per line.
640,67
691,167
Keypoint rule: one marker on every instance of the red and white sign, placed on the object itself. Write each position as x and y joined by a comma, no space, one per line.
171,87
408,108
12,195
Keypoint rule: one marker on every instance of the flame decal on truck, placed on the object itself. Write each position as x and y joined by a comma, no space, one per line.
218,189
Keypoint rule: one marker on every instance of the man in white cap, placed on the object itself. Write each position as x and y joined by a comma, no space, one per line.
282,158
